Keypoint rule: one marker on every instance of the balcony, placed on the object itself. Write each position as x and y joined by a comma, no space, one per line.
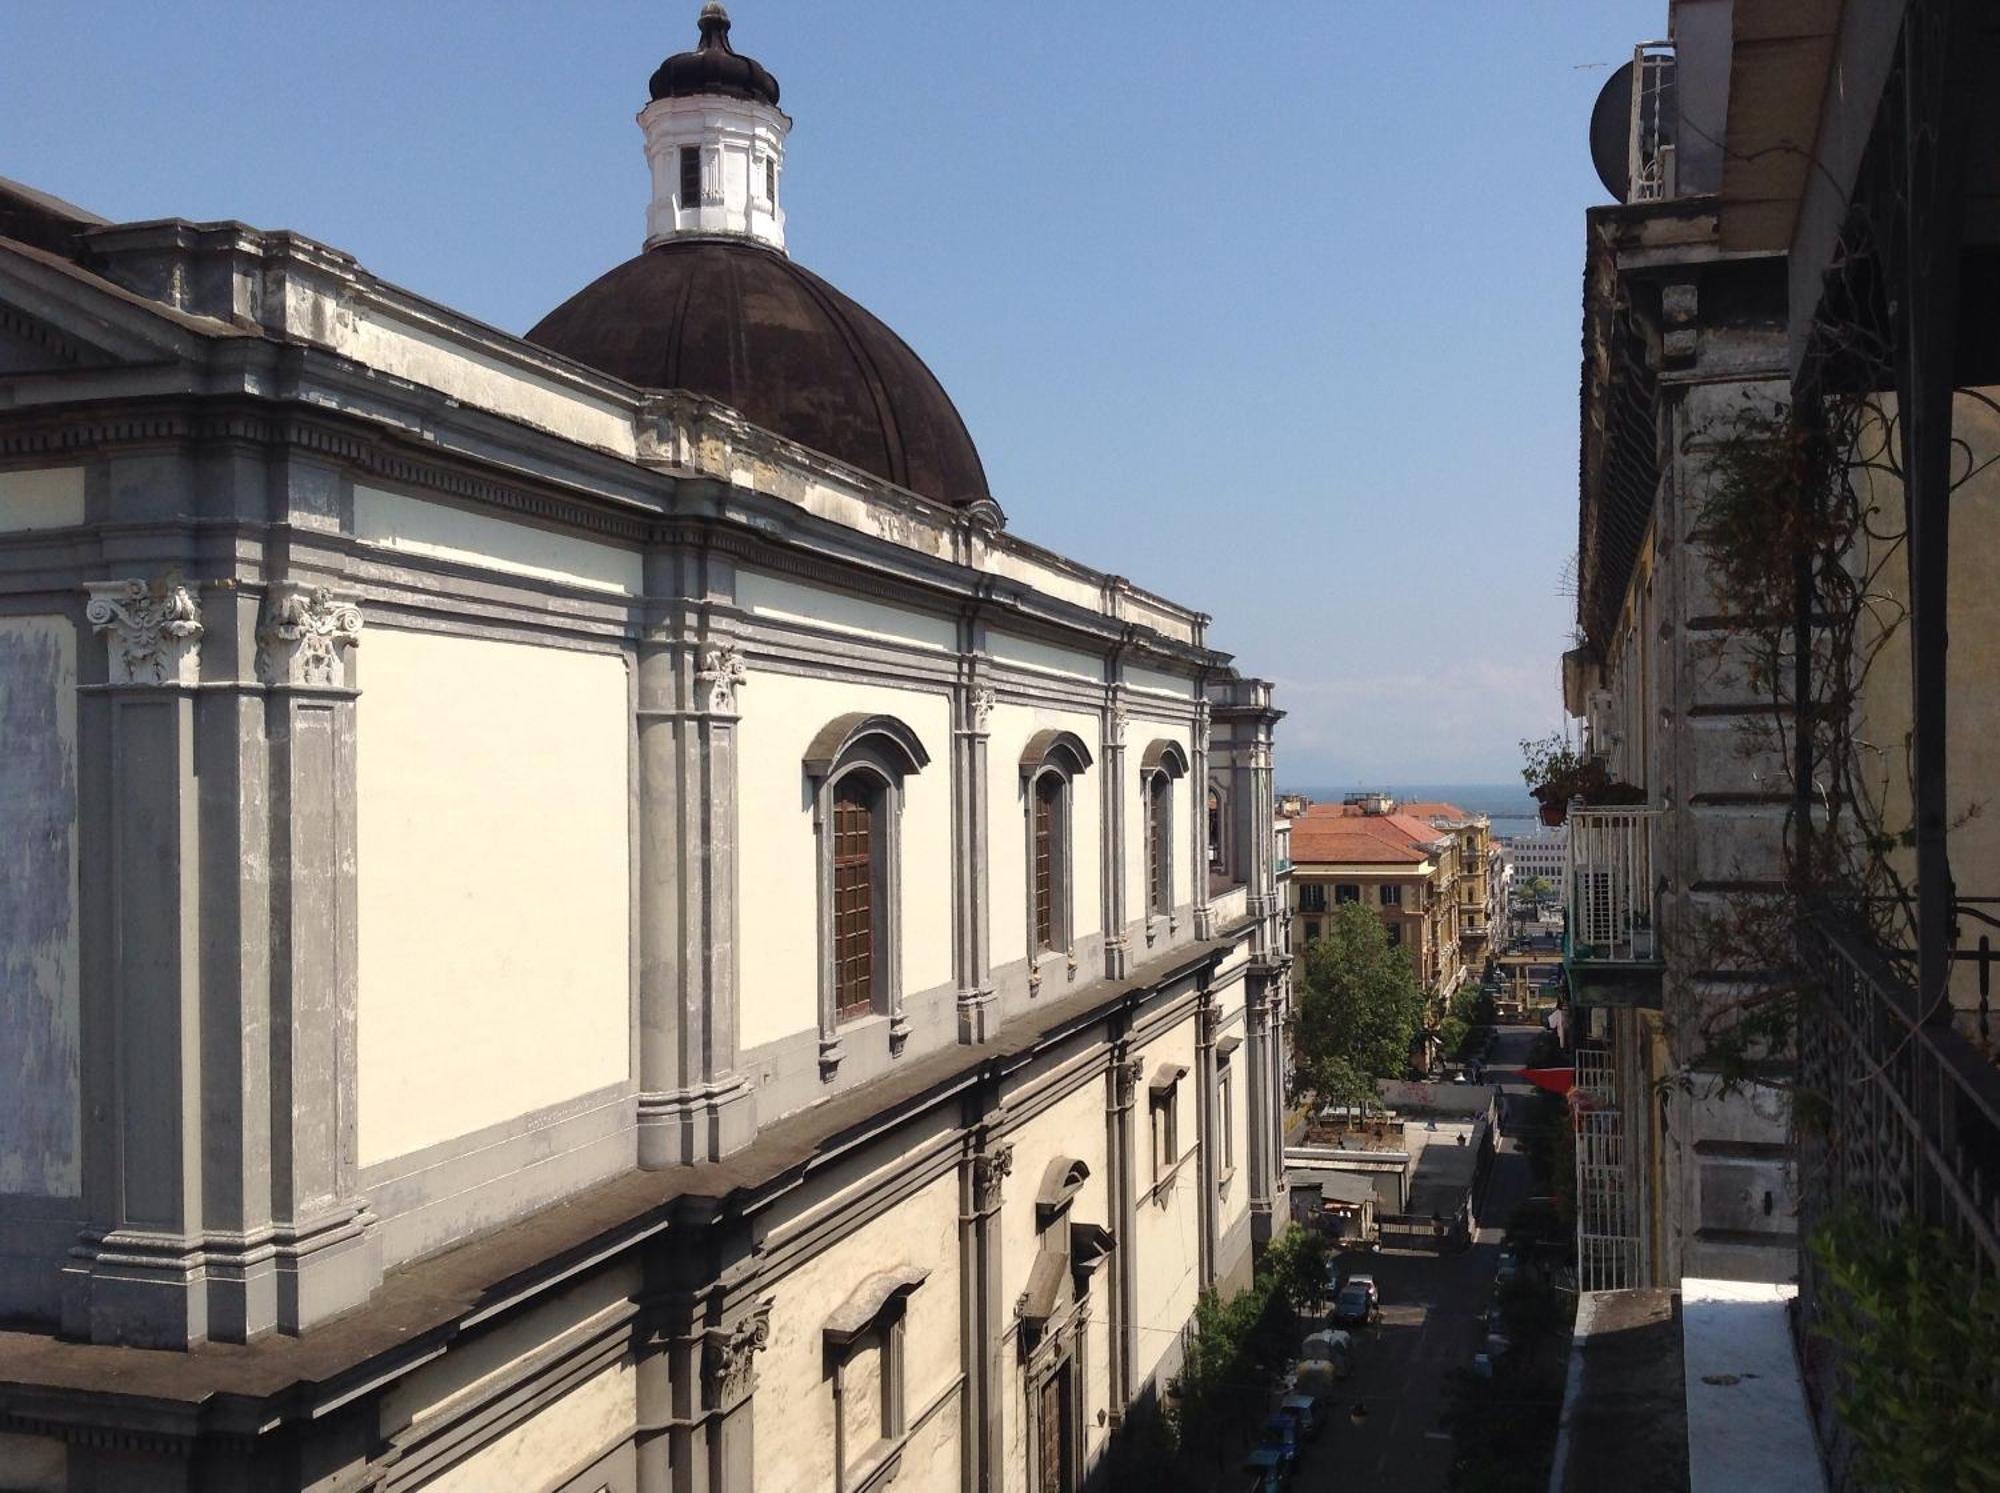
1611,947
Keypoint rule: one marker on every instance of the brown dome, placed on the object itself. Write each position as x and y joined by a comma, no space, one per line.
742,324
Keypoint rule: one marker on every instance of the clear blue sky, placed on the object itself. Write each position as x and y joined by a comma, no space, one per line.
1273,308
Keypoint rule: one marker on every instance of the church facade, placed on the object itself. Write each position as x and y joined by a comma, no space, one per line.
580,913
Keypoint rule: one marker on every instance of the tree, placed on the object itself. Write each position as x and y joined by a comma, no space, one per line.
1360,1011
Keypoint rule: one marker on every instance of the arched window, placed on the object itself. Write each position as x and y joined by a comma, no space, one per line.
1159,765
857,766
1050,764
1216,860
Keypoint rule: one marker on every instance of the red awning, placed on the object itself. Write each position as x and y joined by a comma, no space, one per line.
1557,1081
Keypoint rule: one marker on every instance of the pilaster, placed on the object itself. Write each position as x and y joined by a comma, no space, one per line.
986,1172
1117,801
1126,1074
1198,847
978,1011
693,1104
1204,1098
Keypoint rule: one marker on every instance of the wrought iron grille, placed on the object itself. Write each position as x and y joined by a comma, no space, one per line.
1607,1242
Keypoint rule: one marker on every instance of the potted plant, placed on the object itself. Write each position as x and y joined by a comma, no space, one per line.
1554,773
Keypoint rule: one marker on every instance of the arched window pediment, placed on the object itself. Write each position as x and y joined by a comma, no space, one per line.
1062,750
1166,755
859,733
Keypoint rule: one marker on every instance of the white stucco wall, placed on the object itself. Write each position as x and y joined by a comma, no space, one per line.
795,1409
776,856
566,1436
40,498
1159,682
1009,728
1169,1232
39,1118
1044,658
438,531
494,883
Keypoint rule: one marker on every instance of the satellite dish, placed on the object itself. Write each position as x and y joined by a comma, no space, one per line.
1611,133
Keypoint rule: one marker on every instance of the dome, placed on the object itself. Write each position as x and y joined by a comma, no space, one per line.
714,66
740,323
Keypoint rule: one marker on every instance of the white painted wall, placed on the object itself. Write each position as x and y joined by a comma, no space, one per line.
40,498
1169,1231
1159,682
1009,728
566,1436
795,1413
494,883
1044,658
414,526
39,1118
776,856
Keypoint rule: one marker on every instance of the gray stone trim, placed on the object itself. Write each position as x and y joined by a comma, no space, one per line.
789,1073
972,949
449,1191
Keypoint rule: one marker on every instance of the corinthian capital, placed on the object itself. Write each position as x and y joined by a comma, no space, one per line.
151,630
302,634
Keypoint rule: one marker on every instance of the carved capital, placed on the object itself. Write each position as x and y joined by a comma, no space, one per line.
1114,727
302,635
1130,1073
719,675
1258,755
152,630
730,1354
980,709
989,1171
1201,724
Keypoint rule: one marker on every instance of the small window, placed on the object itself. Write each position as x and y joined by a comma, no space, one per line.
1159,843
1312,930
1312,896
770,179
1346,892
1392,896
1225,1086
1395,934
857,802
1166,1135
1214,831
690,176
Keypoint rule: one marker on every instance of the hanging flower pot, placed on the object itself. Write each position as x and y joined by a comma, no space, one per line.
1554,812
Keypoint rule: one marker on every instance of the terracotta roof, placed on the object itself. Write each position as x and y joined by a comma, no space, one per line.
1433,811
1374,839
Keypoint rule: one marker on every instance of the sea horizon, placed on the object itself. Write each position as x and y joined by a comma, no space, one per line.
1507,805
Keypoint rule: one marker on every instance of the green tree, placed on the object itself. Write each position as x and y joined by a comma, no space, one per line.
1360,1011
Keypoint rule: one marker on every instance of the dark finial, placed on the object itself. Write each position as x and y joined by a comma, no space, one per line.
714,66
714,26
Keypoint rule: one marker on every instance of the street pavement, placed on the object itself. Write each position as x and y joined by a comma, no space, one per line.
1433,1321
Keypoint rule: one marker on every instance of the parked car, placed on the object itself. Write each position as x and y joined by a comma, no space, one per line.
1282,1431
1352,1307
1374,1295
1508,1268
1308,1410
1270,1464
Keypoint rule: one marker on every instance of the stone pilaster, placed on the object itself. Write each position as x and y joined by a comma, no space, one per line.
1204,920
1264,1105
1205,1016
325,1253
971,893
1117,801
1126,1075
986,1172
693,1104
136,1273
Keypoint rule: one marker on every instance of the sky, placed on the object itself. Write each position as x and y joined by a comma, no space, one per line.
1273,309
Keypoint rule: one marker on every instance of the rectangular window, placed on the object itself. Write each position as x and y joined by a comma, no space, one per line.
1312,931
853,901
1166,1138
1046,789
770,179
1159,843
1225,1085
1392,896
1395,933
1312,897
690,176
1346,892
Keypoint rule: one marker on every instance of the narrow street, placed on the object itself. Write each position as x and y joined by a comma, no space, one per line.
1433,1310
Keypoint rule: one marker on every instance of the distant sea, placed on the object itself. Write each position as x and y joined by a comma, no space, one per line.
1506,804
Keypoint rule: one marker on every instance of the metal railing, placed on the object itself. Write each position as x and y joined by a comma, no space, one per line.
1910,1109
1613,904
1650,144
1607,1242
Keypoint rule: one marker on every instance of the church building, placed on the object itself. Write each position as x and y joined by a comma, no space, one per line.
576,912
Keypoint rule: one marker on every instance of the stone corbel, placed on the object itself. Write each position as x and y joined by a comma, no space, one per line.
303,634
151,630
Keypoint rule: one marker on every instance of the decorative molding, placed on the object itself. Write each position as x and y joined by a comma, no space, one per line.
731,1353
1114,727
981,708
990,1170
152,630
301,635
1201,725
721,672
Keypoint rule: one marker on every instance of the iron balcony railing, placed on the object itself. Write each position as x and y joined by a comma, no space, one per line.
1607,1241
1650,144
1613,900
1911,1108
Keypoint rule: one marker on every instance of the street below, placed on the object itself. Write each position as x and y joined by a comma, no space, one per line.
1387,1431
